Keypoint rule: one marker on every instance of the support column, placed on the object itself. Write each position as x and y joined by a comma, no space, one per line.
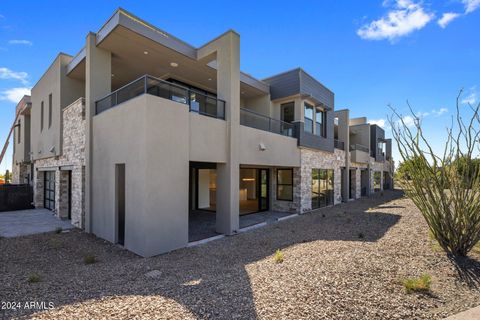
344,135
98,77
226,50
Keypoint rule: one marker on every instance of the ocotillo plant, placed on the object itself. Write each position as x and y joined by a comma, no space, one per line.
445,186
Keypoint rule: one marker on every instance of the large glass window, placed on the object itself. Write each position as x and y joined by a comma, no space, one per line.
322,188
320,121
50,110
308,118
288,112
285,184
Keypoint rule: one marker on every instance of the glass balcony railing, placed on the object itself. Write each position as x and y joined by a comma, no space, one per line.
359,147
198,102
338,144
255,120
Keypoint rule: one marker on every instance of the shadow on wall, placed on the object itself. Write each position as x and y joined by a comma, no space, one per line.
209,281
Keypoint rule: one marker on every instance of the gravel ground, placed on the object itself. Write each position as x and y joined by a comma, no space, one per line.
345,262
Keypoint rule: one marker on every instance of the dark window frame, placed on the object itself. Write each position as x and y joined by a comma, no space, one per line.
284,184
306,106
323,123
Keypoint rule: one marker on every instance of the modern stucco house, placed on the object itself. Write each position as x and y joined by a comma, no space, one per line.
140,134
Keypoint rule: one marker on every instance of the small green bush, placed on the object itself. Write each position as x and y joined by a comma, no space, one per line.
421,284
89,259
34,278
278,256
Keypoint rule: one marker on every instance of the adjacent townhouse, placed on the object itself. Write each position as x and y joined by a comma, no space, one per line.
151,143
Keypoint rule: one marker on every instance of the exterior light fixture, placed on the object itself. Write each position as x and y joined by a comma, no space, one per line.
145,52
248,179
209,79
174,64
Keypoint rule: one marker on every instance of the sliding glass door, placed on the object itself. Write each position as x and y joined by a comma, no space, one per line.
322,188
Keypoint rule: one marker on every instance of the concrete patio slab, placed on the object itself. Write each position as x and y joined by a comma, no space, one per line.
27,222
471,314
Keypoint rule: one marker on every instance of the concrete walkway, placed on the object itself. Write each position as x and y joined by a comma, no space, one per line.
26,222
472,314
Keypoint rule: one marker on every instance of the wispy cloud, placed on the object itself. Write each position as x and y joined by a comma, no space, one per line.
472,97
471,5
2,16
15,94
440,111
21,42
7,74
405,17
380,122
447,18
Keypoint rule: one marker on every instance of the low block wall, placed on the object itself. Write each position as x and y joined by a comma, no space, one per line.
16,197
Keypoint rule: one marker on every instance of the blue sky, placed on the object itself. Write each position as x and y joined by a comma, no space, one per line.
370,53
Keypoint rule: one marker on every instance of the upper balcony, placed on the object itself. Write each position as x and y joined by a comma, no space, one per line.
359,153
256,120
198,102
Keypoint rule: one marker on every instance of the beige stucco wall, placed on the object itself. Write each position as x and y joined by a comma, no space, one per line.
64,90
156,173
279,150
208,139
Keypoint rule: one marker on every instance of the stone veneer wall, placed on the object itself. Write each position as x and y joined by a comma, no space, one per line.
315,159
358,176
376,167
73,157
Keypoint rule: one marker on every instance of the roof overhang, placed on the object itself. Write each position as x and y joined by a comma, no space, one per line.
128,24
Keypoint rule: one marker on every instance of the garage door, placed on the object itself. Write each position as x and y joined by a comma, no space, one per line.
49,196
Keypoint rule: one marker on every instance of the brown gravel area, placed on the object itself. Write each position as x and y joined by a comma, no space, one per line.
345,262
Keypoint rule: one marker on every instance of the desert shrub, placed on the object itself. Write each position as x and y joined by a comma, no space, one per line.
89,259
34,278
445,186
421,284
278,257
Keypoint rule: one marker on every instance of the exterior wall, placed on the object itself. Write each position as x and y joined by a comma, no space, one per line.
279,150
72,159
150,136
208,142
64,90
311,159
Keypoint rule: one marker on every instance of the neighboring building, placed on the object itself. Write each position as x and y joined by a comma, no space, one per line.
143,139
21,167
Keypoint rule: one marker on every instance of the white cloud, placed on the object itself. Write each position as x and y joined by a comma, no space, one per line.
447,18
15,94
440,111
470,99
471,5
406,17
379,122
6,74
409,121
24,42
